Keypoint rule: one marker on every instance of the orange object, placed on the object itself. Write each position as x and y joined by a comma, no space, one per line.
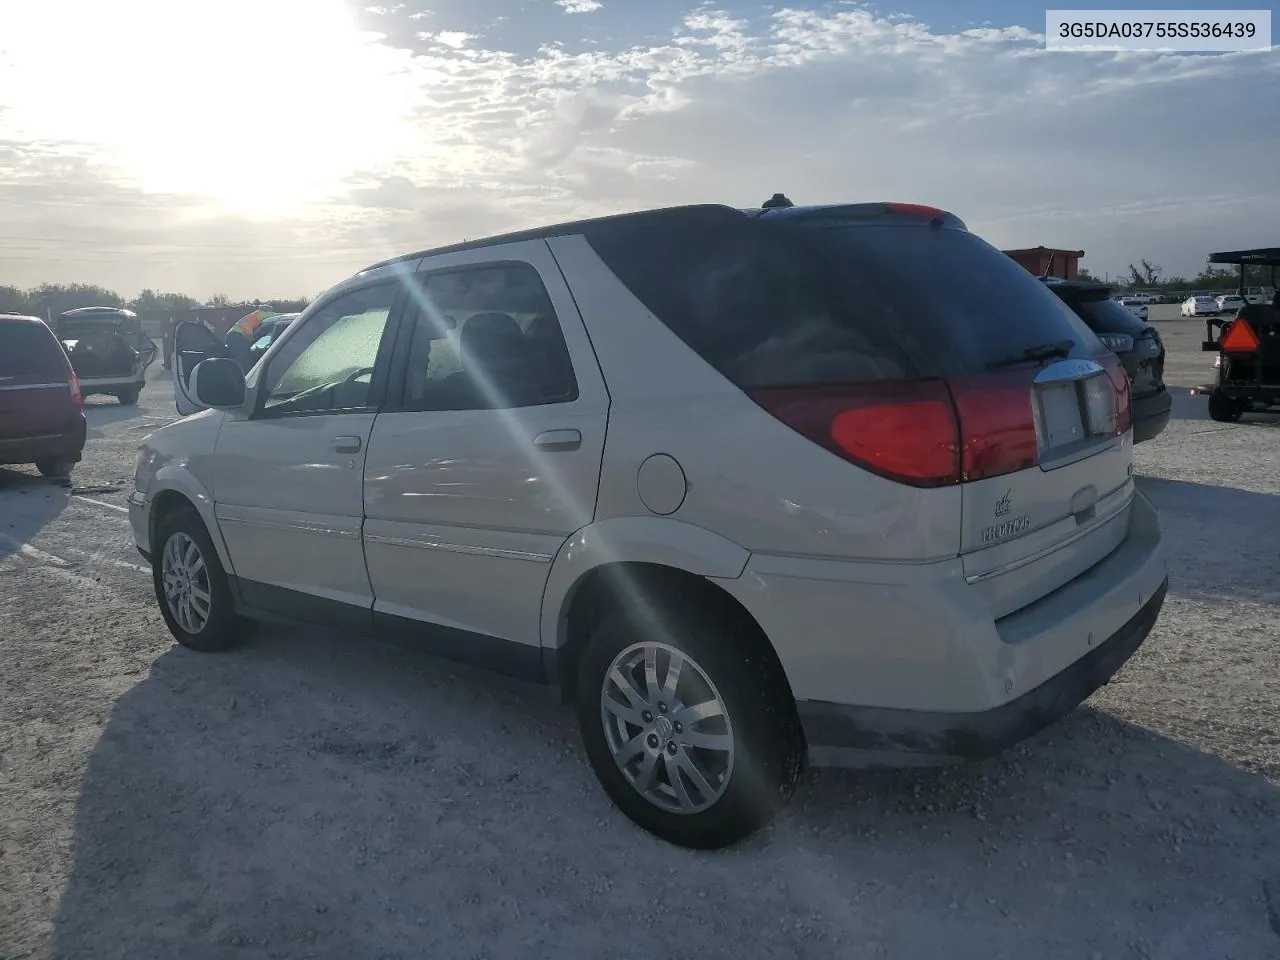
1238,338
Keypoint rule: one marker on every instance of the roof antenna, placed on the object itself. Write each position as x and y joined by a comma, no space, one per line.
777,200
1049,265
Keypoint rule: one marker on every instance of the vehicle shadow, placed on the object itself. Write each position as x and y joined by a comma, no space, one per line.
1197,519
28,503
310,796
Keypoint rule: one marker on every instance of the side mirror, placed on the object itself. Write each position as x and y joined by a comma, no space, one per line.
219,383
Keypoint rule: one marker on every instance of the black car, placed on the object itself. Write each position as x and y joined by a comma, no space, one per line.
109,351
1136,343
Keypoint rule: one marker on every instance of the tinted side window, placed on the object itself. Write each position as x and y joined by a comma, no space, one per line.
30,348
762,311
329,364
486,337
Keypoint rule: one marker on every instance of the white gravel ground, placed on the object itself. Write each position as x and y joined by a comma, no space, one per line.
310,796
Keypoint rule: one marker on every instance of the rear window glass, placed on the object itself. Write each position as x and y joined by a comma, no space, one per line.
803,302
952,300
30,348
1107,316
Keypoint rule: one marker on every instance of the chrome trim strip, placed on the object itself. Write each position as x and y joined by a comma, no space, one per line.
286,525
1052,548
459,548
36,386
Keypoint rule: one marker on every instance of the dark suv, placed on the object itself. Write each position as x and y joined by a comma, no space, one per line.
1137,344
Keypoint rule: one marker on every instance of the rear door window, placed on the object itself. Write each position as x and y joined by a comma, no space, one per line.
30,349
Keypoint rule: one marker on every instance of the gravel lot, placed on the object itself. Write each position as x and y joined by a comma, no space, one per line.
310,796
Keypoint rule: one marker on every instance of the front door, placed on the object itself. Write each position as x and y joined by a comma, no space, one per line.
288,480
192,343
486,457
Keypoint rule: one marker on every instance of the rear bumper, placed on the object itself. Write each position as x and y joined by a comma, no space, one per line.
1151,415
59,446
838,733
108,384
901,664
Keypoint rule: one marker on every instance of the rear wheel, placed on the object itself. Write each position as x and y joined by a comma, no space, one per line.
191,587
129,396
688,725
55,468
1222,408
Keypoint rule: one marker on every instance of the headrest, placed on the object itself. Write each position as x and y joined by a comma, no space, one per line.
490,339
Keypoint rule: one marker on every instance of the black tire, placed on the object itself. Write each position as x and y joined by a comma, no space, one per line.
768,749
128,397
1223,409
223,628
55,468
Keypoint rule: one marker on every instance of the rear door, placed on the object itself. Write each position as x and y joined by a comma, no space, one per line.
35,392
486,457
964,312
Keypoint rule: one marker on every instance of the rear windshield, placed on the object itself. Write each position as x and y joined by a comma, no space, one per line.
30,348
1107,316
801,302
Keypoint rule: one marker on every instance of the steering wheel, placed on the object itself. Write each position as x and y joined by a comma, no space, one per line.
358,374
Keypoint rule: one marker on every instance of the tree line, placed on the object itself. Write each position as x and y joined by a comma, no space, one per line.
50,299
1150,276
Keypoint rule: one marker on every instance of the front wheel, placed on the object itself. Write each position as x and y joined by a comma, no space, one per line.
128,397
191,587
688,725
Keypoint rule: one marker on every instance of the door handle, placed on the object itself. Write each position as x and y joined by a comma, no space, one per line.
555,441
345,444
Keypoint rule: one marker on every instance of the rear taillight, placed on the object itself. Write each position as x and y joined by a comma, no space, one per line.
76,396
933,433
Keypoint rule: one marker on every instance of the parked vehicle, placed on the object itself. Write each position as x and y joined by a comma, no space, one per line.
1139,347
1135,306
194,342
1247,364
41,407
1200,306
1259,295
656,459
1230,303
108,349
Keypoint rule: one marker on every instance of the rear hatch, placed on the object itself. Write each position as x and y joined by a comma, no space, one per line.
1138,345
101,349
36,398
1041,407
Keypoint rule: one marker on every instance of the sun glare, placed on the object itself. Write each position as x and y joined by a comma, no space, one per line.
259,105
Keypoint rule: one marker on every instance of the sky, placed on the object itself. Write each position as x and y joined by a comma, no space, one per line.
270,148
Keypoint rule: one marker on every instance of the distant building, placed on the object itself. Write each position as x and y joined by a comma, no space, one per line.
1048,261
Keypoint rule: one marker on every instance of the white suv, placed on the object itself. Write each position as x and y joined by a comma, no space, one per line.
742,483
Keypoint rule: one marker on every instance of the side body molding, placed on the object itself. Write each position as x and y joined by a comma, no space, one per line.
658,540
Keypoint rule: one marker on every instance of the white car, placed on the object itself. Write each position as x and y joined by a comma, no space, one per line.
1259,294
654,460
1135,306
1202,306
1229,303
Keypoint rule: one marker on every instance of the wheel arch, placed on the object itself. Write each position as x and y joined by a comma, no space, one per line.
175,489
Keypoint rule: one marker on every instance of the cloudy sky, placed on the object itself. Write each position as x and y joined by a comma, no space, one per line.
272,147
